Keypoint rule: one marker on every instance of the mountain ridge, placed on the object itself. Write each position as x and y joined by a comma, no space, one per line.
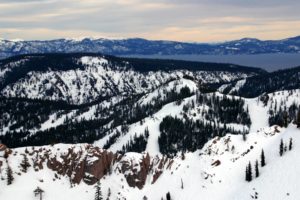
140,46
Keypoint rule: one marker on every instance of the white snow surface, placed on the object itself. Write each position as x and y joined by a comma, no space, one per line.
278,180
98,79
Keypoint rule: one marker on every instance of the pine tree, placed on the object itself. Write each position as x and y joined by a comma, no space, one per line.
98,193
256,169
285,119
108,194
285,148
168,196
244,136
9,175
181,184
25,163
291,144
249,172
281,148
298,118
262,158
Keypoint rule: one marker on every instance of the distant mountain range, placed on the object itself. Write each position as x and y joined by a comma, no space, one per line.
138,46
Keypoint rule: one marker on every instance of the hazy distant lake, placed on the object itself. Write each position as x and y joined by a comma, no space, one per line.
269,62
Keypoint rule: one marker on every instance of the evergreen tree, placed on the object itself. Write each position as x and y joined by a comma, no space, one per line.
262,158
25,163
249,172
244,136
298,118
281,148
98,193
145,198
285,119
181,184
108,194
168,196
256,169
285,148
9,175
291,144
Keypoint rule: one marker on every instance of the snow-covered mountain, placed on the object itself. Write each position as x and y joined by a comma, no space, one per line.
253,86
215,172
137,46
84,78
146,128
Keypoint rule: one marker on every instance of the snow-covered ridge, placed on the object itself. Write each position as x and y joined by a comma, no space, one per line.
98,79
215,172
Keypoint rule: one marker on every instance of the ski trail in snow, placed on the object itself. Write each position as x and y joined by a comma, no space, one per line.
258,114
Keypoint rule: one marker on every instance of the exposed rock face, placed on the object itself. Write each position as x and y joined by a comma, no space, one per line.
136,171
89,164
97,164
2,147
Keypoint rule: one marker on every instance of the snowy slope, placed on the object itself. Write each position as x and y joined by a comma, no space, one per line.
95,78
199,177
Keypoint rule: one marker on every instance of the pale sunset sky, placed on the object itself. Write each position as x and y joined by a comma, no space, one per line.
181,20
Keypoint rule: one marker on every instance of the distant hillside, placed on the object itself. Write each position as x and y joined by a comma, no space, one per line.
253,86
86,77
138,46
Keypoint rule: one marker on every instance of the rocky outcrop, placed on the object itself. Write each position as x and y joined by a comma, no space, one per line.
86,163
138,167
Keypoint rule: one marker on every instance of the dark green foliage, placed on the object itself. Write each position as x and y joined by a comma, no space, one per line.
108,194
284,115
262,158
244,136
9,175
137,143
187,135
256,169
25,163
98,193
249,172
287,79
225,109
291,144
31,113
111,140
168,196
281,148
298,118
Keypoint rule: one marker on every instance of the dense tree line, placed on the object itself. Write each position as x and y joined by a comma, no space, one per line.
29,114
286,79
187,135
137,143
282,114
225,109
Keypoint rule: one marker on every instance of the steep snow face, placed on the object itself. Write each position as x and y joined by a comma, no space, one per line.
215,172
98,80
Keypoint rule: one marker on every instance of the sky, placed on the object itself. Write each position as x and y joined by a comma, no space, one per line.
180,20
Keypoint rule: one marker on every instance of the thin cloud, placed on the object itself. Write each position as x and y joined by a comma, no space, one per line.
191,20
